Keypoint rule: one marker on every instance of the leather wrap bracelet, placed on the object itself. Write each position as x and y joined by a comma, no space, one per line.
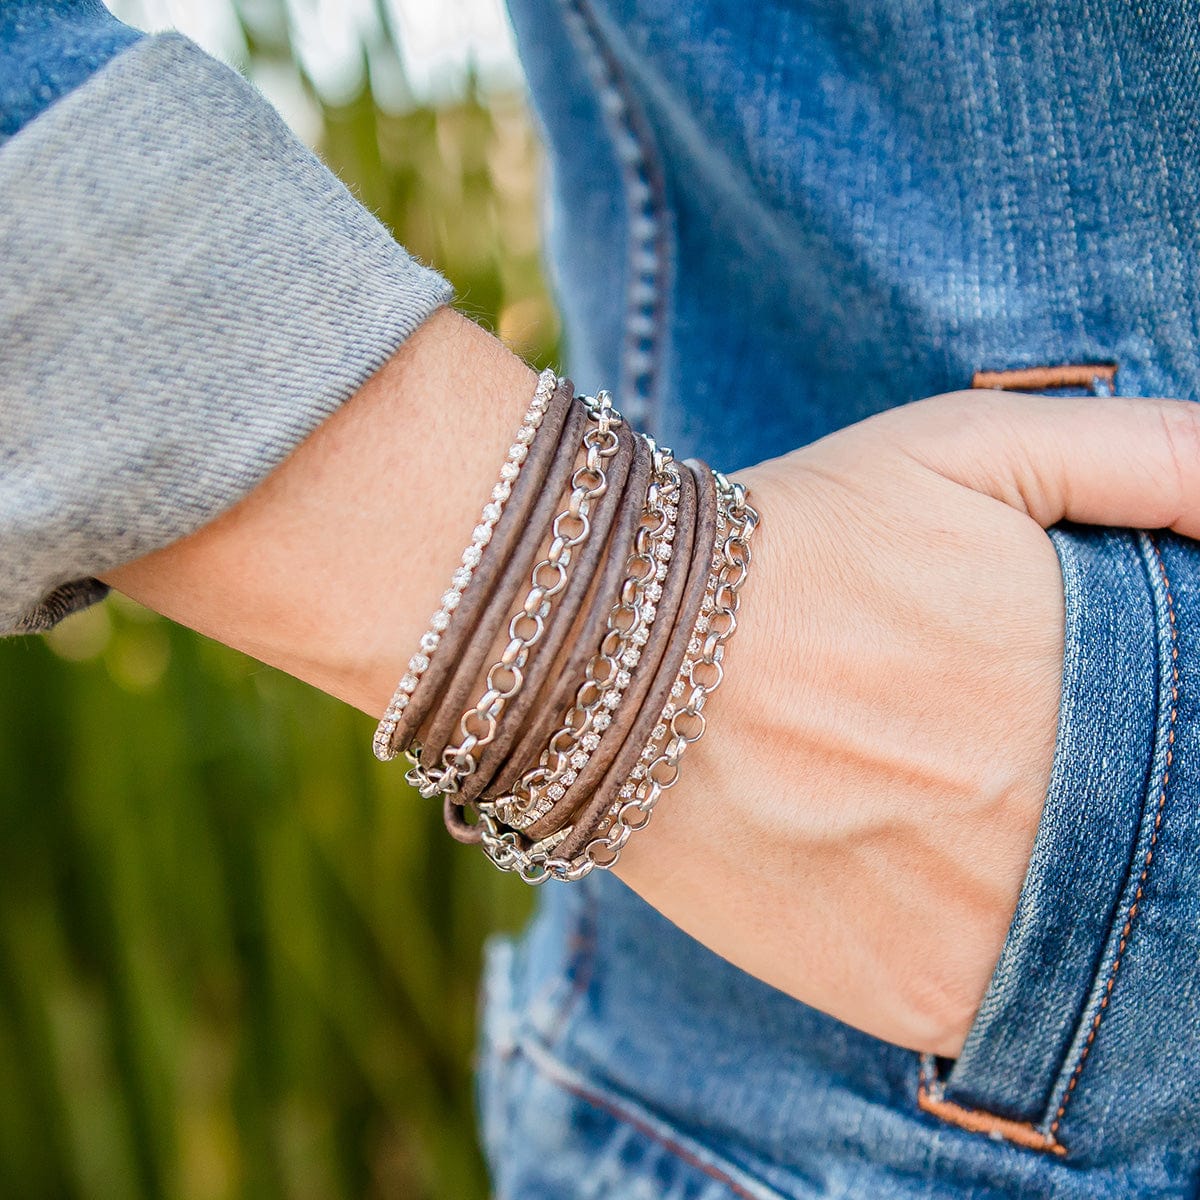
558,686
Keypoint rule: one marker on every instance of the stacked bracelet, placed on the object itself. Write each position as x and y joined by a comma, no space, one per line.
565,674
506,677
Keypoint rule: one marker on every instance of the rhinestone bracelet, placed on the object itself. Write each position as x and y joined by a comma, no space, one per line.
571,746
559,800
659,767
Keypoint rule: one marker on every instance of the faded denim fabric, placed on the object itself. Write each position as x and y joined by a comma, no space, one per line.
186,293
790,216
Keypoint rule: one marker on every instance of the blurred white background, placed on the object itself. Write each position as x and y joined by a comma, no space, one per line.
434,47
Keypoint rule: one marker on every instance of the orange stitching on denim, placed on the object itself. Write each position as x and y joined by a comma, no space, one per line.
977,1120
1037,379
1149,859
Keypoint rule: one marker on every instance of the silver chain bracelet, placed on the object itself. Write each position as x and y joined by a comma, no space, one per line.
679,727
418,664
505,678
597,699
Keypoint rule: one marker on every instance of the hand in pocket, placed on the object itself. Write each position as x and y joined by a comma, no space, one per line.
856,825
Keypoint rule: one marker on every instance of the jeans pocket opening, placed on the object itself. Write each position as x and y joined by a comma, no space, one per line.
1025,1055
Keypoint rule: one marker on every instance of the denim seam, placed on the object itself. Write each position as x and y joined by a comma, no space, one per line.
697,1156
547,1011
931,1099
493,1107
580,971
1148,858
644,185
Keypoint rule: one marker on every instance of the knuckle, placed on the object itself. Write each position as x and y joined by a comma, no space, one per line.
947,404
1180,420
1179,425
936,418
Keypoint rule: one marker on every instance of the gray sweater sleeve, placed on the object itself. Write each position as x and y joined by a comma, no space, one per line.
186,292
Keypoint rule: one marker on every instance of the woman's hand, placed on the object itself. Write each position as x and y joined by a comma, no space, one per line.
857,823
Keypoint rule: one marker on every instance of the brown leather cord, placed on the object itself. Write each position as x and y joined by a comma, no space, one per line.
563,618
634,737
531,725
651,663
454,817
548,715
555,661
526,490
512,585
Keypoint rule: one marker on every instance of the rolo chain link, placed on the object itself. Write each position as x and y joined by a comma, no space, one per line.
680,727
506,676
441,620
608,672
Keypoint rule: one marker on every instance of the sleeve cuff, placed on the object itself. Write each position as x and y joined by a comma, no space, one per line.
187,293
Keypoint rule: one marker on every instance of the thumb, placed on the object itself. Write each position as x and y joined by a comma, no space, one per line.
1099,460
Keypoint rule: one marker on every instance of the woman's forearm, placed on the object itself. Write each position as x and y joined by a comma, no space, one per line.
329,569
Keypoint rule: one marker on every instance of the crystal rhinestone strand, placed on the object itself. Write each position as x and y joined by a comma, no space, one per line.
682,720
552,760
418,664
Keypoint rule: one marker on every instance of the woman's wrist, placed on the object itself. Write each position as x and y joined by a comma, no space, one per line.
328,568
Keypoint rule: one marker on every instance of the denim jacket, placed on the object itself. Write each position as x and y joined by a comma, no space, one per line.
764,222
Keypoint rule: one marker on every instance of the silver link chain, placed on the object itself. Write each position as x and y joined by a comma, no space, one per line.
609,671
418,664
478,724
658,769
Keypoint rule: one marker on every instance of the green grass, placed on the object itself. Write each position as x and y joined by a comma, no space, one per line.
237,956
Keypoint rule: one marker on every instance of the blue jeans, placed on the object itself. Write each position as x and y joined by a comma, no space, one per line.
767,221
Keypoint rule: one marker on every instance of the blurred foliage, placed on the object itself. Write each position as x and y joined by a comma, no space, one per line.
237,957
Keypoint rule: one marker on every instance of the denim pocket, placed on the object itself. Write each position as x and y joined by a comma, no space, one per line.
1027,1051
